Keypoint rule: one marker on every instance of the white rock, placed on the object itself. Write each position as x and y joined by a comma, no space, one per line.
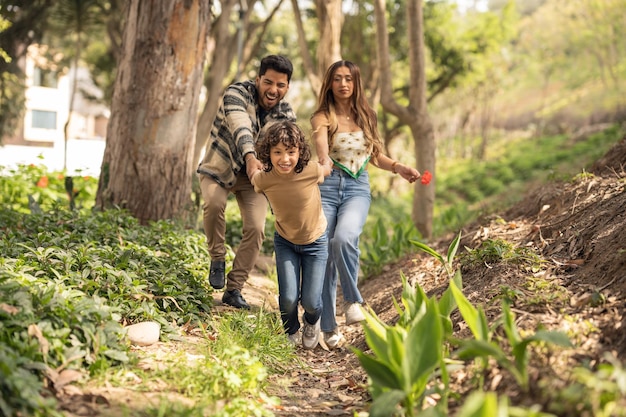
144,334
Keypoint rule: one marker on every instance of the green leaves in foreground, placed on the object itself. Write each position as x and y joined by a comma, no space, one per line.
412,357
404,355
482,346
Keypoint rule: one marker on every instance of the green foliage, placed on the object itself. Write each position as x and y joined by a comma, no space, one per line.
382,245
466,188
262,334
483,347
230,384
69,279
156,272
408,357
32,188
403,356
493,251
47,325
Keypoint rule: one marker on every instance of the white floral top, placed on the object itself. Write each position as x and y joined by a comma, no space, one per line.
349,151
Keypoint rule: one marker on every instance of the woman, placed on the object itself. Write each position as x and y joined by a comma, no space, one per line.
345,132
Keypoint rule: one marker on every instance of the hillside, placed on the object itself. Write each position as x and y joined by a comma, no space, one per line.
577,227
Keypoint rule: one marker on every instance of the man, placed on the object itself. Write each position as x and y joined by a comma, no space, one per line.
246,110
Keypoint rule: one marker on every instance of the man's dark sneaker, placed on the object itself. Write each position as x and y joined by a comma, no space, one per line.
233,298
216,276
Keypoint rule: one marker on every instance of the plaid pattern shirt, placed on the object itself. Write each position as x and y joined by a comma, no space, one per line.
238,125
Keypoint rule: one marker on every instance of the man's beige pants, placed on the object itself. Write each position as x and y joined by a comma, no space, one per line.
253,209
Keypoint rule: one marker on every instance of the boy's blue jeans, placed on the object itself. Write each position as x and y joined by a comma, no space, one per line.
346,203
300,270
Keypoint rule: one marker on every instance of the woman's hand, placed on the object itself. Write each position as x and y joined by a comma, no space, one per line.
408,173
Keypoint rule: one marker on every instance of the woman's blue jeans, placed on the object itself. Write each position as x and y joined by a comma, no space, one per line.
300,270
346,203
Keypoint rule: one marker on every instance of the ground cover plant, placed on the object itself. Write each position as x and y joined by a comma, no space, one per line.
72,278
554,260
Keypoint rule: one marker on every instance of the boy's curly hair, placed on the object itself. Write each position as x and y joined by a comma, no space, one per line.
291,136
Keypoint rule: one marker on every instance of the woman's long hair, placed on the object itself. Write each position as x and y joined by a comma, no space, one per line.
366,117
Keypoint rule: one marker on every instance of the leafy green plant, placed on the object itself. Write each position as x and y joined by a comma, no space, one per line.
261,333
448,260
403,356
493,251
380,246
32,188
483,347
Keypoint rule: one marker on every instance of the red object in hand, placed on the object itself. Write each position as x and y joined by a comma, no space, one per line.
426,177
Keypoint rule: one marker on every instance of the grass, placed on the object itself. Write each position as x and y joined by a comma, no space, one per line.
71,279
469,188
74,277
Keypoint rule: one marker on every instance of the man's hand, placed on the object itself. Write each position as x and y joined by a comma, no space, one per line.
252,165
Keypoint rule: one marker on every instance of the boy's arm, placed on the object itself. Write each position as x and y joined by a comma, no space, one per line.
327,167
254,179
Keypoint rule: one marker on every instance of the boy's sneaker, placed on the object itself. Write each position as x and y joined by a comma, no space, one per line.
334,339
310,334
354,313
295,339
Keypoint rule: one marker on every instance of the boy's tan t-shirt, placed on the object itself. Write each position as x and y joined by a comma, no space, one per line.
296,202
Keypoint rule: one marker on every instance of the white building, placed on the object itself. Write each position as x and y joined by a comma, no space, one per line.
41,139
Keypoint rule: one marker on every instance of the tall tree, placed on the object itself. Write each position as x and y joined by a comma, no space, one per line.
329,21
415,114
222,50
151,132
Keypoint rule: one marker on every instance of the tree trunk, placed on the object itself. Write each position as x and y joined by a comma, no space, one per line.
415,115
313,75
330,22
151,132
220,57
330,17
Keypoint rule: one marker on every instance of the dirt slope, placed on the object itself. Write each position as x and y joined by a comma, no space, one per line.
579,227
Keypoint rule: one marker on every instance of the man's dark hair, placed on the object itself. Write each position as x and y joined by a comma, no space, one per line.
277,63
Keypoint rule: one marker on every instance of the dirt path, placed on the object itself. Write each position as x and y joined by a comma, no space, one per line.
327,383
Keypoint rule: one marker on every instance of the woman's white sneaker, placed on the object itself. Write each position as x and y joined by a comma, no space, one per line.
354,313
334,339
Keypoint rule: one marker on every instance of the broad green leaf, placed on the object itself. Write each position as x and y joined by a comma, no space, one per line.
520,352
429,251
380,374
375,333
474,318
424,345
508,321
454,246
387,404
470,349
554,337
446,302
480,404
395,348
